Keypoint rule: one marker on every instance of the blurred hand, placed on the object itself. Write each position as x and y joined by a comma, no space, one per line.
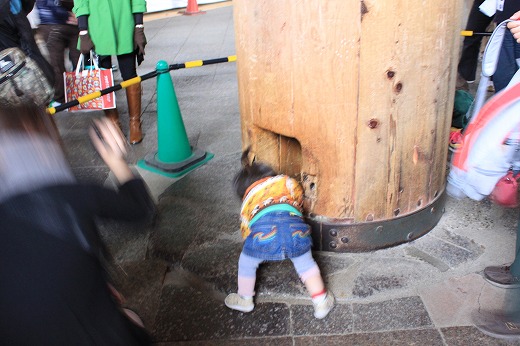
108,140
515,26
72,20
85,44
111,146
139,40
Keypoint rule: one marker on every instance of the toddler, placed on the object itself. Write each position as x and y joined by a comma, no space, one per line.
273,228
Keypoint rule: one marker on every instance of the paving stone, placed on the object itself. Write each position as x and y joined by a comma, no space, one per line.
331,263
451,302
338,321
341,283
269,341
375,278
220,266
366,286
448,252
126,241
279,279
463,336
401,313
417,337
180,226
468,215
180,318
427,258
461,241
140,283
217,263
211,141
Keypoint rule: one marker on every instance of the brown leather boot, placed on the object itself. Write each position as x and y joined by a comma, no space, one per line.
133,97
113,115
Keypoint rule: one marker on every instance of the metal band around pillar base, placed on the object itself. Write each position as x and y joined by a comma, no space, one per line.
343,236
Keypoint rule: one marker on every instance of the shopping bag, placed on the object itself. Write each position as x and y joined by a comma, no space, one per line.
86,80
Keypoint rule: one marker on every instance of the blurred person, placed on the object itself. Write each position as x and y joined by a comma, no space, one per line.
116,28
468,62
466,73
54,283
504,322
58,29
16,31
507,63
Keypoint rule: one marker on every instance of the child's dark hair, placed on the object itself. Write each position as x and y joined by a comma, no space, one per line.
250,173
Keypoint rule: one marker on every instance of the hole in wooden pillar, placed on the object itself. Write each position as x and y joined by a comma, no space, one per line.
283,153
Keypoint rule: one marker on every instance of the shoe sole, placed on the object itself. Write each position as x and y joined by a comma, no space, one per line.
498,336
240,308
497,284
497,325
319,317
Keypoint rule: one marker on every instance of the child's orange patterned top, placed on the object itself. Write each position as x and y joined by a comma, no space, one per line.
269,191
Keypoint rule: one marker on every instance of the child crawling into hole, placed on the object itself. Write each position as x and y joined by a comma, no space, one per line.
273,228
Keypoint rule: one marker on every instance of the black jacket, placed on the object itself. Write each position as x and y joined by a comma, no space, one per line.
54,288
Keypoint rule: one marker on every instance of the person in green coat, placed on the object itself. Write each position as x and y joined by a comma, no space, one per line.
115,27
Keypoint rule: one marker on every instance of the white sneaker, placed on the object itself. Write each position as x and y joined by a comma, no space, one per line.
323,308
237,302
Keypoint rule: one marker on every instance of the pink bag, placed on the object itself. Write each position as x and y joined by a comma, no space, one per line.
505,192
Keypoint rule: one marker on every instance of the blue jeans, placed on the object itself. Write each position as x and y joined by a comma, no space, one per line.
507,65
278,235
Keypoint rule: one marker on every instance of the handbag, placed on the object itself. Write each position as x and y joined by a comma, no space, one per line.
22,80
505,192
86,80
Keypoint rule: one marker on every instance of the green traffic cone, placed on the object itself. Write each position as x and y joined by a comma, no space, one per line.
175,157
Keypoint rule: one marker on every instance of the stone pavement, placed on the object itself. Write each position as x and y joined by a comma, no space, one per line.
176,273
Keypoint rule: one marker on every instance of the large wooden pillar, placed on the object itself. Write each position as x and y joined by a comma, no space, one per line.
355,98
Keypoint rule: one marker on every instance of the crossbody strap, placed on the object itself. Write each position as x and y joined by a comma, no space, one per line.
489,66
